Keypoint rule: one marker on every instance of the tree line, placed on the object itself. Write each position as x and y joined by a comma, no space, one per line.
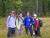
40,7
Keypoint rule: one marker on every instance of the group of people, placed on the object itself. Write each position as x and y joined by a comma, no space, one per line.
14,24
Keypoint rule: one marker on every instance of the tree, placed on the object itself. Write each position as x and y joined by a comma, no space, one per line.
39,7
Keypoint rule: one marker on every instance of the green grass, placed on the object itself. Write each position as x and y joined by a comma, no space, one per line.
45,30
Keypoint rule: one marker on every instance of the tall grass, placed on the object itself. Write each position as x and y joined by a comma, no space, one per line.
45,29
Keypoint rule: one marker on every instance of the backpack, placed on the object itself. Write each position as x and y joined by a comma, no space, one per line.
40,23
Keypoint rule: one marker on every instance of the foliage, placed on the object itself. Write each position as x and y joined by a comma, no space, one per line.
41,7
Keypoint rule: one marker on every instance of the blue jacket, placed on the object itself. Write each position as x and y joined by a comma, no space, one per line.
28,21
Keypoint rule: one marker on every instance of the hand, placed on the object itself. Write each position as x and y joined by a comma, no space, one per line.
23,27
30,24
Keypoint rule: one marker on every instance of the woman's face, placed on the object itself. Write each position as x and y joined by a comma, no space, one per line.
28,14
35,17
20,15
13,13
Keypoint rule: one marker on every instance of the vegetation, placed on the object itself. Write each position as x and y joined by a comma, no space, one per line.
41,7
45,29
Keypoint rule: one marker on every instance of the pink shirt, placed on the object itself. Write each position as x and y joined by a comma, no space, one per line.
37,23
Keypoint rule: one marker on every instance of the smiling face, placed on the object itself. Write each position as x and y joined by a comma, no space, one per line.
35,16
20,15
12,13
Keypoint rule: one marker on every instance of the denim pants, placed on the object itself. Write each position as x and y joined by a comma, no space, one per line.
11,31
30,30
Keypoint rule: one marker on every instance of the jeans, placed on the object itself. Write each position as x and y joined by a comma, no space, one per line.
11,31
30,30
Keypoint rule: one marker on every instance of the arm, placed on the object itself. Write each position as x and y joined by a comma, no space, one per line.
24,21
7,21
34,22
31,21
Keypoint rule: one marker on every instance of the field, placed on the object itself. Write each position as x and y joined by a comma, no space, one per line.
45,29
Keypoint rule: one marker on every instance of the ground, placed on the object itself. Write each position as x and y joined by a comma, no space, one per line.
45,29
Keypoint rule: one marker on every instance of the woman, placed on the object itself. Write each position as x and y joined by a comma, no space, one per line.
37,25
19,23
11,24
28,23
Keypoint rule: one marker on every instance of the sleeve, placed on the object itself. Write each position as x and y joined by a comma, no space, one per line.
24,21
31,21
16,22
7,21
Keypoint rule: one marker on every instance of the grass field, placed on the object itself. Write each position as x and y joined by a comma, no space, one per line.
45,30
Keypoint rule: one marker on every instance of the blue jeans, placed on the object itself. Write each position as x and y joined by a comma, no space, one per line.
30,30
37,33
11,31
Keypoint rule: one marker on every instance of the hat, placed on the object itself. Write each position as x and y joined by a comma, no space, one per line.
35,15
